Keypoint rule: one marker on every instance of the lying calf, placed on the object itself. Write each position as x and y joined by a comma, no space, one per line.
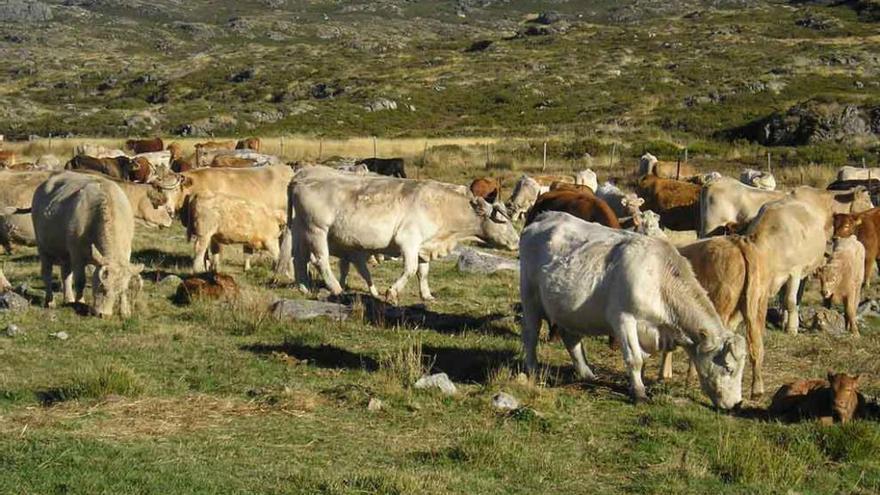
827,400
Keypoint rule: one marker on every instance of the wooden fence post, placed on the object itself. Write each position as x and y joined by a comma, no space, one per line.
544,166
375,155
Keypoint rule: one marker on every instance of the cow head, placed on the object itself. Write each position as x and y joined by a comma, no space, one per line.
844,395
845,225
720,364
496,228
524,195
111,284
829,279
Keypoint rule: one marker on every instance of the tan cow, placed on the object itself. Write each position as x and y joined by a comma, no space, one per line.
649,165
149,202
252,143
842,277
221,219
4,283
17,192
230,161
730,204
84,219
7,158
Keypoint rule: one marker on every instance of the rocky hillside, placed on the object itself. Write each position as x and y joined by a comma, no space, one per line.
779,73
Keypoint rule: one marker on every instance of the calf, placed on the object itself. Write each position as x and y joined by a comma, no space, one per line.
7,158
866,227
834,399
842,277
253,143
677,202
579,204
486,188
218,219
392,167
206,286
138,146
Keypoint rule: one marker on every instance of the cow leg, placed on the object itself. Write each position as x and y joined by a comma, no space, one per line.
755,340
666,365
850,307
301,257
424,290
410,267
626,330
361,265
248,254
792,320
283,262
200,253
578,356
46,274
317,241
67,283
530,328
79,282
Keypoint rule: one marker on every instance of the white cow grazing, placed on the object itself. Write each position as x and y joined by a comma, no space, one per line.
587,178
354,217
591,280
525,193
758,178
623,204
857,173
79,220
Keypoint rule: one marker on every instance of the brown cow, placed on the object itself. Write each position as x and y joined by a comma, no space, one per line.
677,202
649,165
215,145
866,227
584,206
487,188
253,143
7,158
827,400
229,161
138,146
176,151
181,165
121,167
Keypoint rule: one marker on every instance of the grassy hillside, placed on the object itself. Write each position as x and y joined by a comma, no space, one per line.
633,70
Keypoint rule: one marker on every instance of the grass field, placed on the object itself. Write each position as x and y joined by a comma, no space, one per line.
221,398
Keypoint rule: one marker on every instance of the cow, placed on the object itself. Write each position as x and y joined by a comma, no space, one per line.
149,202
4,282
730,204
842,276
677,202
138,146
705,178
253,143
353,169
525,193
176,151
215,145
623,204
649,224
857,173
16,193
260,185
392,167
179,165
83,219
7,158
836,398
48,162
216,219
587,178
354,217
758,178
591,280
98,151
230,161
160,160
487,188
121,167
866,227
585,206
649,165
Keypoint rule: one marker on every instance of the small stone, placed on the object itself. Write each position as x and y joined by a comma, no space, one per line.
170,282
59,335
473,261
505,402
10,301
303,309
439,380
12,330
375,405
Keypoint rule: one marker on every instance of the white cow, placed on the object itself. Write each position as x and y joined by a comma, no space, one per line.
83,219
758,178
587,178
857,173
160,160
525,193
354,217
588,279
623,204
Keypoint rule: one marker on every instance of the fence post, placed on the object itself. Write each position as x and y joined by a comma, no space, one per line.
769,170
375,155
678,168
611,158
50,141
487,155
282,145
320,148
685,154
544,166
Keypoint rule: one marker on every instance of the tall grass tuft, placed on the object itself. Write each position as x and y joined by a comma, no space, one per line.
97,382
404,366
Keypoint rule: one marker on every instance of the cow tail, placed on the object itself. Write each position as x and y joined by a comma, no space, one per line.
704,207
755,294
188,214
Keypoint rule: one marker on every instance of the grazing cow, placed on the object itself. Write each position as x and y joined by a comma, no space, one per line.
17,192
866,227
222,219
649,165
842,276
591,280
354,217
392,167
83,219
487,188
149,202
758,178
857,173
585,206
7,158
4,283
677,202
253,143
121,167
230,161
587,178
138,146
260,185
525,193
730,204
836,398
623,204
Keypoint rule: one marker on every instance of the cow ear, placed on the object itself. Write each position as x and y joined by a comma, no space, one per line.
481,206
97,256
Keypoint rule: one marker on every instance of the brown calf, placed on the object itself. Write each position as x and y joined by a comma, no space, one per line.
828,400
253,143
866,227
486,188
584,206
677,202
138,146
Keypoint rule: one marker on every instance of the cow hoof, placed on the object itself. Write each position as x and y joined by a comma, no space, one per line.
429,298
643,399
391,297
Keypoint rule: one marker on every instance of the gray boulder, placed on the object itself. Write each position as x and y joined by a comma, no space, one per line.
439,380
380,104
13,330
10,301
303,309
472,261
505,402
818,319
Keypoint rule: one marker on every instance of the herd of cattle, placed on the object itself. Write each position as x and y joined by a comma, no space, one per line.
594,259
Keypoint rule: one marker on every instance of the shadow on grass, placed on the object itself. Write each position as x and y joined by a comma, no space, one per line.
159,258
323,356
